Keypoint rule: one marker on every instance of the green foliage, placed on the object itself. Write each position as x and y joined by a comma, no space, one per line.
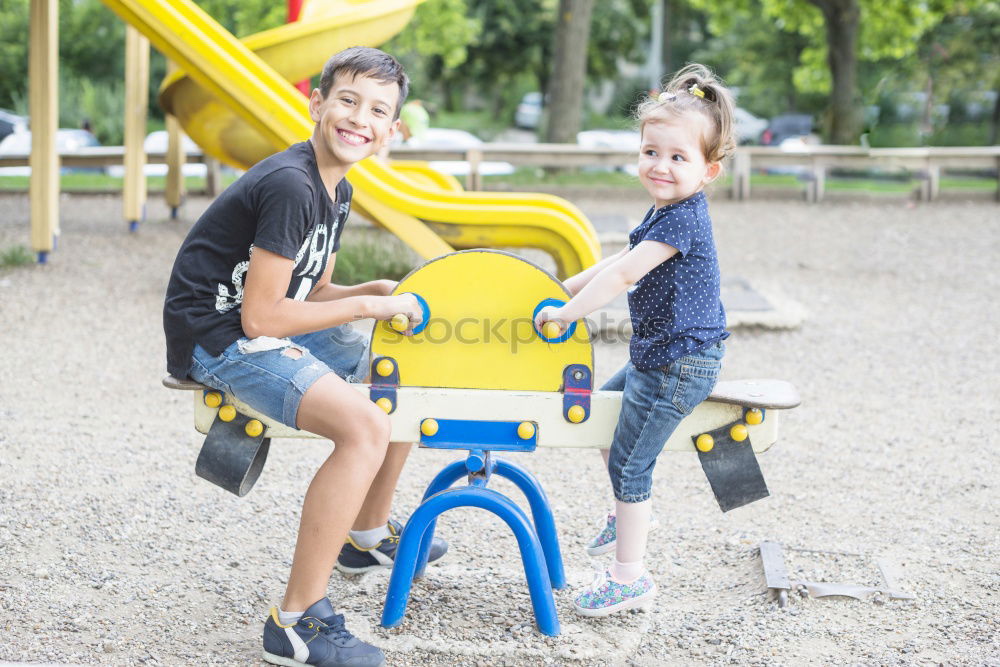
757,58
100,103
619,31
15,256
515,40
940,46
483,124
13,53
92,53
440,30
246,17
91,42
367,257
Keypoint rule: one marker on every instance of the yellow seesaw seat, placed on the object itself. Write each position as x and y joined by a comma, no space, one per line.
480,359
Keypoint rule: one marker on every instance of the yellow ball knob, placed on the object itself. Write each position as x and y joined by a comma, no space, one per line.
429,427
551,329
227,413
525,430
738,432
384,367
385,404
754,416
704,443
576,414
213,399
254,428
400,322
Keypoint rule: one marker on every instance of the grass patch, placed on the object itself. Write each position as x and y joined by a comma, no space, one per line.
16,256
539,178
83,181
369,257
483,124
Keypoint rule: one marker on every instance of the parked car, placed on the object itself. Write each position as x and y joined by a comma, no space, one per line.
68,140
749,127
528,115
795,126
627,140
621,139
156,142
440,137
10,123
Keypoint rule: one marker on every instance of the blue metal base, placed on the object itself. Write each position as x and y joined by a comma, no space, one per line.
537,541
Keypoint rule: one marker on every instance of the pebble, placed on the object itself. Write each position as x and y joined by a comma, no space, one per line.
104,519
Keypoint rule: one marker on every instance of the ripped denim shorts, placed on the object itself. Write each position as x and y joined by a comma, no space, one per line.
267,375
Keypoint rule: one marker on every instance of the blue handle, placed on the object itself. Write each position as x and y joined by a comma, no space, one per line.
566,335
425,311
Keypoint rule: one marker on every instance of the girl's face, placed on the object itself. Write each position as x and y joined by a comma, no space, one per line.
672,166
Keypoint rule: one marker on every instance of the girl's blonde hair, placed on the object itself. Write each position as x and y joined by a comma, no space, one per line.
696,89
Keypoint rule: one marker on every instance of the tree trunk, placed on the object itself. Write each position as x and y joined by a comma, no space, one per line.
666,47
842,18
569,69
995,120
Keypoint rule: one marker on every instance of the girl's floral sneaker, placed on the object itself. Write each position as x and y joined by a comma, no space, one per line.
605,596
605,540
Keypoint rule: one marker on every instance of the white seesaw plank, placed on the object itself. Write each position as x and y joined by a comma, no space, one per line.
544,408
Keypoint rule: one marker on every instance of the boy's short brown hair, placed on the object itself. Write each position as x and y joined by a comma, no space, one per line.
365,61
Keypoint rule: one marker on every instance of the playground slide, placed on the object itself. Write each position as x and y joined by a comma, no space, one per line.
235,100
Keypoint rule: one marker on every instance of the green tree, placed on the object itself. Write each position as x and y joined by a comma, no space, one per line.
569,70
514,42
434,45
756,57
840,33
14,54
92,56
960,58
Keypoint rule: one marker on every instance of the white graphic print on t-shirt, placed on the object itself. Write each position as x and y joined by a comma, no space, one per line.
318,247
226,300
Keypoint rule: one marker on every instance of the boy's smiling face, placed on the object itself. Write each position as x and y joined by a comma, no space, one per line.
354,121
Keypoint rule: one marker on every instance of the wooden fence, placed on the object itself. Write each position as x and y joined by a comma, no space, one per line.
816,161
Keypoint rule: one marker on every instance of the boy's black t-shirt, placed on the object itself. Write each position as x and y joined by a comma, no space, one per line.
280,205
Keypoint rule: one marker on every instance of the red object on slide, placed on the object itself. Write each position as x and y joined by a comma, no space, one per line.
294,9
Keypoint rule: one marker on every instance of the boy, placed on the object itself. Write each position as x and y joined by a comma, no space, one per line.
250,310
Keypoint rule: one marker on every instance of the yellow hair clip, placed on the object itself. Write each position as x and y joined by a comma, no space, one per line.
696,91
665,97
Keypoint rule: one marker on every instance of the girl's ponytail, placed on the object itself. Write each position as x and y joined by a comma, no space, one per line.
696,88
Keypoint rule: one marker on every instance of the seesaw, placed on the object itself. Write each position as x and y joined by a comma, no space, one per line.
476,376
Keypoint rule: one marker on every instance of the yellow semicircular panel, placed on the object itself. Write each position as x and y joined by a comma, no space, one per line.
480,334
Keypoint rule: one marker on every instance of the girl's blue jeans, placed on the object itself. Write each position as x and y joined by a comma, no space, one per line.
653,403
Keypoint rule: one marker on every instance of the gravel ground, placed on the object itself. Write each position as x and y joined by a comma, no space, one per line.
112,551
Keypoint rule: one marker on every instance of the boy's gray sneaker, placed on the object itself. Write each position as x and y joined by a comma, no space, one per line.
355,560
318,638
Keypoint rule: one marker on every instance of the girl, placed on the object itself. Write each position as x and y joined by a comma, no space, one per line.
671,272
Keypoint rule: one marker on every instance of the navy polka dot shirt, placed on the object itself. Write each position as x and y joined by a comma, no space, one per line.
676,308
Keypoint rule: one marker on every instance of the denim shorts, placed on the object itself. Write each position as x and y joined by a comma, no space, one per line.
653,403
262,373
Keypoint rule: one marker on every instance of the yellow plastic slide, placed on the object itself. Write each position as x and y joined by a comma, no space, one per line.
235,100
